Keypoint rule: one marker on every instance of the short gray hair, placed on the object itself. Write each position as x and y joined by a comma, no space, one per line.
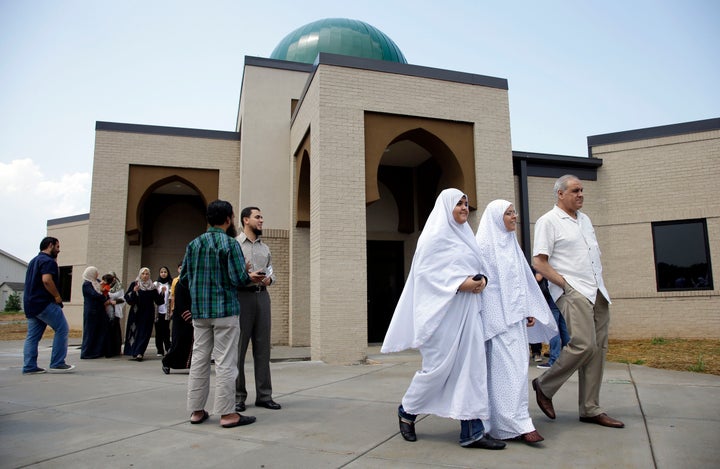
562,183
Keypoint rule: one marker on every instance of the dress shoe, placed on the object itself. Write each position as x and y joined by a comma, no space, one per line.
485,442
272,405
239,407
544,402
603,419
531,437
242,420
407,429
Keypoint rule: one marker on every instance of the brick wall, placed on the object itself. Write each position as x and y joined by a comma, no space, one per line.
641,182
108,247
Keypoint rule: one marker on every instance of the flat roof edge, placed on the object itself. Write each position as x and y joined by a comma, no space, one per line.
70,219
163,130
279,64
591,162
654,132
397,68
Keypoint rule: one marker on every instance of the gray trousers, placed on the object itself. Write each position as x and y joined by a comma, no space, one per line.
588,325
255,326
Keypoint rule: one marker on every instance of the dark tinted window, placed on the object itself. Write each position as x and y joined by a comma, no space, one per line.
682,255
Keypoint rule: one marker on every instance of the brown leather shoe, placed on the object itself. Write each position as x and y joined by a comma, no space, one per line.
544,402
603,419
532,437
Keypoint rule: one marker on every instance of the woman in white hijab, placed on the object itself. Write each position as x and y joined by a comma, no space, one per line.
511,301
439,313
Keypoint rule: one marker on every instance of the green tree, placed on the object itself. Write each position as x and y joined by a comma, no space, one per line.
13,303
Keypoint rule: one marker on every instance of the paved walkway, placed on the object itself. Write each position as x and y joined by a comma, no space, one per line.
113,413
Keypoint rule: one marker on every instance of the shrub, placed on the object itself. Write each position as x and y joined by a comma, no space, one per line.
13,303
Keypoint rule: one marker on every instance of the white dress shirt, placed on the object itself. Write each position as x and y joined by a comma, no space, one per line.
572,250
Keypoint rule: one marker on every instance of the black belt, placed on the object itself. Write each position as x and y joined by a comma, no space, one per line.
254,288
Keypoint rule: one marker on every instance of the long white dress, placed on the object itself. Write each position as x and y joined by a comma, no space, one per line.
441,322
511,296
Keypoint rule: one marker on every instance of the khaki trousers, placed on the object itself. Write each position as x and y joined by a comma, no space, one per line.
218,337
585,353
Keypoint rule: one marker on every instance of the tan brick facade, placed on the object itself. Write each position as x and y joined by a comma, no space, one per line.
293,113
653,180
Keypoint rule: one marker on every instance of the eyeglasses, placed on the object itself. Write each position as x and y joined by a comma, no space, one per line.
511,213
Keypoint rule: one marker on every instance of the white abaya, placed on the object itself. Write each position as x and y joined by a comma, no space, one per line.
511,297
441,322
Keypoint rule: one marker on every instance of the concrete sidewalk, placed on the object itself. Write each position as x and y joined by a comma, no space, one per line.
117,413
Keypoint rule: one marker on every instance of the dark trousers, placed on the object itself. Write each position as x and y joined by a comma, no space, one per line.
254,326
162,334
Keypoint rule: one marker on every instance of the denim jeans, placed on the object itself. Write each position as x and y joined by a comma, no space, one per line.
471,431
560,340
54,317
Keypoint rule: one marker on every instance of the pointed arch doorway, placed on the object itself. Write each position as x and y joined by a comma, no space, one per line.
165,211
423,157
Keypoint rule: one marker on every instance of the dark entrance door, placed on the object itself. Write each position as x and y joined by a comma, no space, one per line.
385,283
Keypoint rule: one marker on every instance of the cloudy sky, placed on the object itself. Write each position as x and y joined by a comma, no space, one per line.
574,68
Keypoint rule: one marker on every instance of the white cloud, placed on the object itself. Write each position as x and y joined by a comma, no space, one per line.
31,195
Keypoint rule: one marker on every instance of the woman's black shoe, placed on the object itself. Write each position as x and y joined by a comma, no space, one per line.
407,429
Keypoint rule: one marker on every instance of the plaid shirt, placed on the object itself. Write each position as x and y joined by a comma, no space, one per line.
213,269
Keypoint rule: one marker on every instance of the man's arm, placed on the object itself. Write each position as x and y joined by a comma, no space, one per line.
49,284
541,264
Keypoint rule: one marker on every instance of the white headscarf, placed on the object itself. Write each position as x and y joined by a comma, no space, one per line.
512,293
147,284
446,255
90,275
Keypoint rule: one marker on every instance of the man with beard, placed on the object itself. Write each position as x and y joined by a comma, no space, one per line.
255,322
43,307
212,270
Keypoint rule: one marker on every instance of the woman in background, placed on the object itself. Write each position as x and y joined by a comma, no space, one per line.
95,320
181,349
113,340
162,320
142,296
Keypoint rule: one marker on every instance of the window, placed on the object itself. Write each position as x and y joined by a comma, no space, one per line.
65,282
682,255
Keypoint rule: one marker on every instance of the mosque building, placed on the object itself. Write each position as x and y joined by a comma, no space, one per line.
344,146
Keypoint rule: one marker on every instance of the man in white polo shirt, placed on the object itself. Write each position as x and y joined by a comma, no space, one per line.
566,252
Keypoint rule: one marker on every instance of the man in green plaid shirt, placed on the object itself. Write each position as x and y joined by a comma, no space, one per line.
213,269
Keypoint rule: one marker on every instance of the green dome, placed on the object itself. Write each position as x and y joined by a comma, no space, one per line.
337,36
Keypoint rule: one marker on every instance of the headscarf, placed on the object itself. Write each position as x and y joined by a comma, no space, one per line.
90,275
446,255
512,293
167,279
144,285
117,285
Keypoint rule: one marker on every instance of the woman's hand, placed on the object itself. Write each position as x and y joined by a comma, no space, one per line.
473,286
481,284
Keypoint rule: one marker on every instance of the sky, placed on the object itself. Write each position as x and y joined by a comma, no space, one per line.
574,69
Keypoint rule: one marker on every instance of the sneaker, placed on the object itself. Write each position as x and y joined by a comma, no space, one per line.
544,366
537,358
36,371
62,368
